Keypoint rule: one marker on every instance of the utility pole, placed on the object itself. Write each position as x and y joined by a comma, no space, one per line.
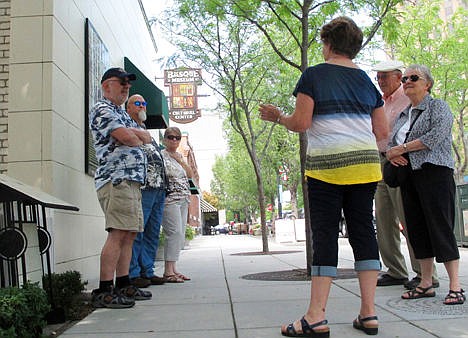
280,195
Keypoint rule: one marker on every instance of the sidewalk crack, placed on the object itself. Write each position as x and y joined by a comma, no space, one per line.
236,334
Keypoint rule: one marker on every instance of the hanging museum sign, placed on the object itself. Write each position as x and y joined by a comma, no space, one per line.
183,83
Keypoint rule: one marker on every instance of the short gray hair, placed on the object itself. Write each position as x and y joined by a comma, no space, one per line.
174,130
426,73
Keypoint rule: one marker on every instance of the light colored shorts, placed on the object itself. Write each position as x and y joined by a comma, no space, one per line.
121,204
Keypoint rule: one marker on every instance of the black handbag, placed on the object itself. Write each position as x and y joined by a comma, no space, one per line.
395,176
390,174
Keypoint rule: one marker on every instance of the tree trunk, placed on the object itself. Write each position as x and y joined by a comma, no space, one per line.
309,249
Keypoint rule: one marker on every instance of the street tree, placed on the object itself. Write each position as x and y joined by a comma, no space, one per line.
211,198
290,28
234,180
231,51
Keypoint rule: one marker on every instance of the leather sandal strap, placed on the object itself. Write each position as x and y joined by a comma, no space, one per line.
368,318
458,294
308,328
291,330
424,290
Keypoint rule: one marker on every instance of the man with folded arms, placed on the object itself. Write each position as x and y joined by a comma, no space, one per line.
388,204
153,195
121,171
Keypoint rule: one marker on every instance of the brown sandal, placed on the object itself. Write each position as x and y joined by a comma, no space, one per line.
182,276
419,292
173,279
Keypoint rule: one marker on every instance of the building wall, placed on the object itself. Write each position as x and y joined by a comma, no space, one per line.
448,7
4,74
46,113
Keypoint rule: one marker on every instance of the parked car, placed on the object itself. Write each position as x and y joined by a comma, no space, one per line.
220,229
344,230
288,214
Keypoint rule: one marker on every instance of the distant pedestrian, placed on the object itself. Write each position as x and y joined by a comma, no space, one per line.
340,109
422,140
153,194
389,211
121,171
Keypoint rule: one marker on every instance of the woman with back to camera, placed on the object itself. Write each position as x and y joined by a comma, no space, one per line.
176,208
340,109
423,134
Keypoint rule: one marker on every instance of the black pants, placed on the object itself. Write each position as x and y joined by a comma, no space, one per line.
429,203
326,201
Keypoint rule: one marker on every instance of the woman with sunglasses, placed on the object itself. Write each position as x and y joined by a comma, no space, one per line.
176,208
422,139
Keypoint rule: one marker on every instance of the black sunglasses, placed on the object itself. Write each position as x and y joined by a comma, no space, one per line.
173,137
412,78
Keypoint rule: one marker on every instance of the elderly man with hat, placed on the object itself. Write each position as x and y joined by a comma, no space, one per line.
388,204
121,171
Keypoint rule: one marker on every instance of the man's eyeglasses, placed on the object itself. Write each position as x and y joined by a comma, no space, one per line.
140,103
173,137
381,77
412,78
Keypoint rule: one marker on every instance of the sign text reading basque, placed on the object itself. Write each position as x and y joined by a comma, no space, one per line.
182,76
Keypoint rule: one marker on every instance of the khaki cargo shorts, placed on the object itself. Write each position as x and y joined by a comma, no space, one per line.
121,204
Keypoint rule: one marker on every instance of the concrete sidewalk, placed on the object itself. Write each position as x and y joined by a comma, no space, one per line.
219,303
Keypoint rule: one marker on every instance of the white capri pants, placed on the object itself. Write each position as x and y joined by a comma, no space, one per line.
174,222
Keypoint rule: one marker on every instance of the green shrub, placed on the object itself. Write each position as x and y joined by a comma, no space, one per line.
23,311
189,233
162,238
256,226
66,290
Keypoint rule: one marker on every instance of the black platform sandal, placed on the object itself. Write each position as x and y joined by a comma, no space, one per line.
455,297
307,330
360,324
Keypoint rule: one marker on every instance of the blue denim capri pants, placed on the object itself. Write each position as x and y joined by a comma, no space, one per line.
326,201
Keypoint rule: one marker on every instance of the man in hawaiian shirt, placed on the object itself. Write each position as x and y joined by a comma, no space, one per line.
121,172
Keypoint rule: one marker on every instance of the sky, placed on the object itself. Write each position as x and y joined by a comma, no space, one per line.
205,134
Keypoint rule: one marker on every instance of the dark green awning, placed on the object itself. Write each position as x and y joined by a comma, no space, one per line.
194,190
156,110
